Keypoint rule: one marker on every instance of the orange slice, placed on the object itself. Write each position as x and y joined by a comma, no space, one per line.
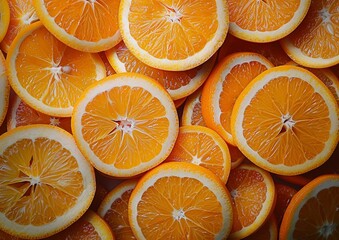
202,146
271,50
263,21
192,115
89,226
4,90
284,196
45,182
114,209
184,34
180,200
4,18
20,114
315,42
313,211
268,231
22,13
89,26
223,87
253,198
125,124
286,121
179,84
326,76
48,75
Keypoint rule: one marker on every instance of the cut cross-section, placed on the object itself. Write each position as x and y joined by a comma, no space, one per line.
179,200
48,75
286,121
125,124
45,182
184,34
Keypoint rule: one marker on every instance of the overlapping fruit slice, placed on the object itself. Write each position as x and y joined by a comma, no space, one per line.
45,182
125,124
90,26
48,75
286,121
179,200
175,30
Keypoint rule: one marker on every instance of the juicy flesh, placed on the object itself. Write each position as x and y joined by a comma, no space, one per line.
248,191
317,35
319,218
39,181
79,230
174,27
178,205
171,80
117,217
200,149
125,126
197,118
85,20
236,81
329,82
26,115
262,15
22,14
52,72
287,127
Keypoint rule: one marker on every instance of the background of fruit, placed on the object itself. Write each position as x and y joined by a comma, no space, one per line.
107,108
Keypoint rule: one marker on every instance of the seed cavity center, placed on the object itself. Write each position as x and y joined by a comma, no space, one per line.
173,15
287,122
178,214
327,230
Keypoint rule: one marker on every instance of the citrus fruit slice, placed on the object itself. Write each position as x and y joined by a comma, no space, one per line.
4,18
20,114
4,90
223,87
89,226
22,13
179,84
286,121
125,124
179,200
313,211
192,115
253,198
45,182
263,21
89,26
270,50
184,34
202,146
268,231
315,42
48,75
114,209
284,196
